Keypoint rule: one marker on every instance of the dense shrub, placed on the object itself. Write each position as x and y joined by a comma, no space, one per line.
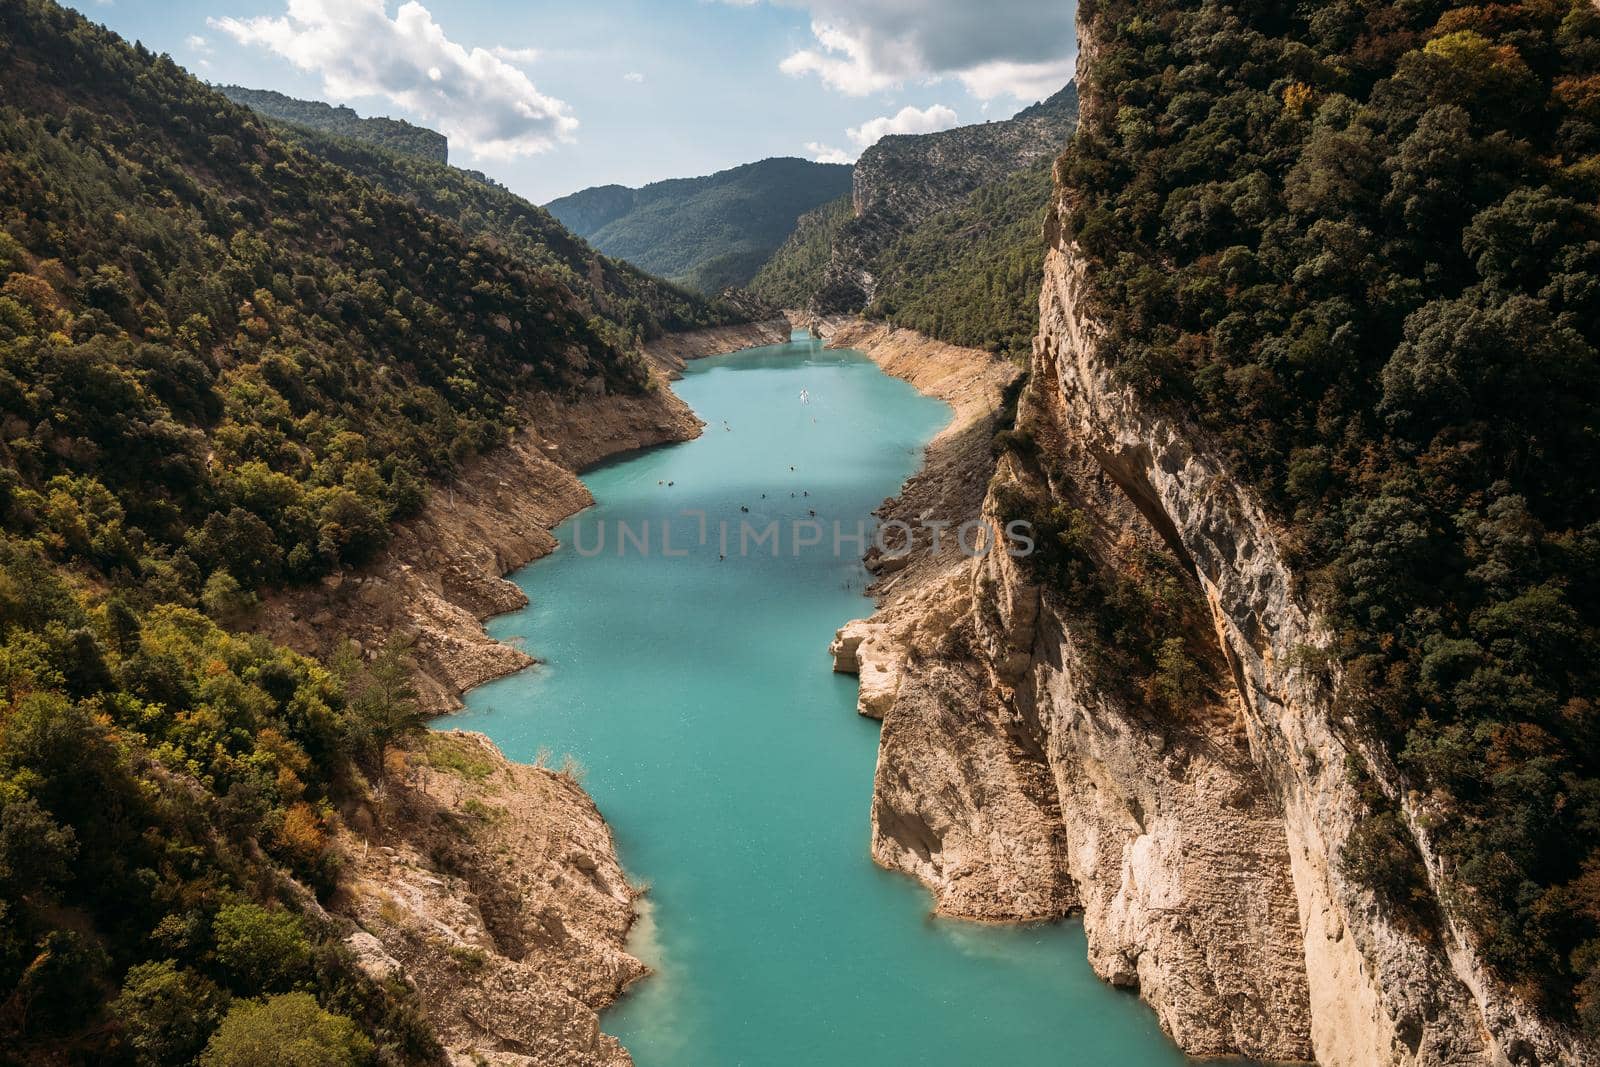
286,1031
167,1013
1134,610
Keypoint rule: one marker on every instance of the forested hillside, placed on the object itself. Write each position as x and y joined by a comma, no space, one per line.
906,179
644,305
705,233
1357,243
224,364
943,232
796,269
392,134
970,276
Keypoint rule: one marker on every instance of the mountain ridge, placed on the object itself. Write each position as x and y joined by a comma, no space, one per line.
708,232
396,135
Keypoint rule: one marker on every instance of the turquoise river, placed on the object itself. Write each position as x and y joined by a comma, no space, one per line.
730,762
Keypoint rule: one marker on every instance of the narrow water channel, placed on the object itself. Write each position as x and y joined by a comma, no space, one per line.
728,758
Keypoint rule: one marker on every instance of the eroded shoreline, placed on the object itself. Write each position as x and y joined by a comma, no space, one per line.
442,576
491,887
494,887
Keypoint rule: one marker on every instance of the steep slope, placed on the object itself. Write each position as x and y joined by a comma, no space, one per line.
227,366
970,275
906,179
394,135
706,233
501,900
1406,381
1295,699
643,305
795,270
441,574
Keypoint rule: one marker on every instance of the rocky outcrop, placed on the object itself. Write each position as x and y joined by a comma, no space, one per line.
1014,785
905,179
441,575
493,889
1379,990
1202,845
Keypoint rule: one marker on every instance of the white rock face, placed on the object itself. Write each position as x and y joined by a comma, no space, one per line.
1378,993
866,650
500,900
373,959
1203,853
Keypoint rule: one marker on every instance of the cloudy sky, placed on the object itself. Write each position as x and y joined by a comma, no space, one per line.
552,97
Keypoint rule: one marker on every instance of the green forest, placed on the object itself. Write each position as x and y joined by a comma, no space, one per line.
970,276
951,233
794,273
643,305
227,364
1357,244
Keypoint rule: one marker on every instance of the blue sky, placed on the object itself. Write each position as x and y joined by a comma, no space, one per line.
552,97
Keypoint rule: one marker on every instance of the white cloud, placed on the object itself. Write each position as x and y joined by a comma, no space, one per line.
1025,81
197,43
633,76
516,55
1021,48
906,120
827,153
476,98
843,63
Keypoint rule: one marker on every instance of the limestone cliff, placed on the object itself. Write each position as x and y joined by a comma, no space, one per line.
493,889
1378,989
1201,844
1016,789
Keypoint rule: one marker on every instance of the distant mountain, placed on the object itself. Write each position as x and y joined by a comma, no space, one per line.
587,211
705,233
903,182
392,134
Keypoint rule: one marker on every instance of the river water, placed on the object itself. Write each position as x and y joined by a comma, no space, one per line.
697,693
